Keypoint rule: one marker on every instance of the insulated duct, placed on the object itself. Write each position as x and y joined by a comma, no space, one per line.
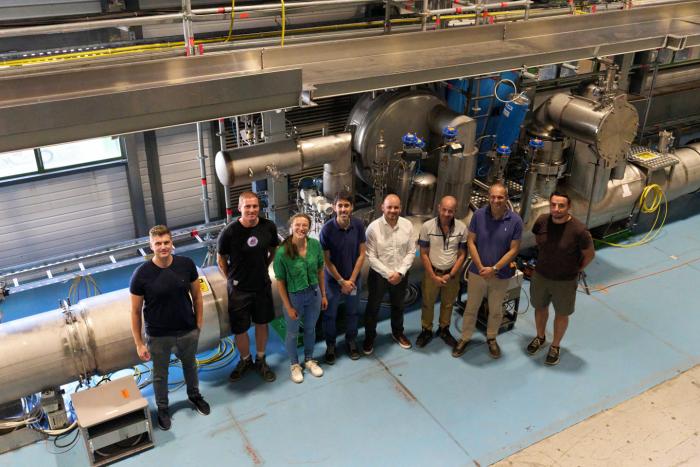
240,167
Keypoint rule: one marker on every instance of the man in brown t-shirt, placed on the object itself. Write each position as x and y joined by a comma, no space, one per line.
565,249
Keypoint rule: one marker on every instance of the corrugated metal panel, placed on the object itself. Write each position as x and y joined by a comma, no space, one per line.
26,9
179,169
65,214
145,183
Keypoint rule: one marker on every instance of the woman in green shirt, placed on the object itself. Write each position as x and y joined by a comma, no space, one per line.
298,267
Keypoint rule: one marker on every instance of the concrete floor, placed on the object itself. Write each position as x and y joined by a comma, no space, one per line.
636,330
659,427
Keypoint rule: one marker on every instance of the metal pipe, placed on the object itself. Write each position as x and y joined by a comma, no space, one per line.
201,156
486,6
387,16
222,146
195,15
242,166
424,16
593,187
90,337
187,27
528,193
649,97
287,6
90,25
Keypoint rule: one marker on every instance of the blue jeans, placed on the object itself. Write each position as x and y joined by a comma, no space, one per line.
352,305
307,302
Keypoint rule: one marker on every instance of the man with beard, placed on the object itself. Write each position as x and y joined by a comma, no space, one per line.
343,242
565,249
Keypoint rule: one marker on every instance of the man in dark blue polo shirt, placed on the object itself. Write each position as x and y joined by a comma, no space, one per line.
343,242
493,242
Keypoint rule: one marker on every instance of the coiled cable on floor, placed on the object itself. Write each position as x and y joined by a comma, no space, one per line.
650,201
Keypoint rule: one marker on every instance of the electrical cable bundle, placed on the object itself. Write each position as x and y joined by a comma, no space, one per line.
89,286
650,201
214,360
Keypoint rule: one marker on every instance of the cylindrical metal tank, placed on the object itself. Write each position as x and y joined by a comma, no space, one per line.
609,126
91,337
455,175
394,114
511,119
422,194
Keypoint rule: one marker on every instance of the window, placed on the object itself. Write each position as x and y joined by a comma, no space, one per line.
81,152
17,164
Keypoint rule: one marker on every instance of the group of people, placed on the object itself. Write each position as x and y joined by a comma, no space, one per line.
313,276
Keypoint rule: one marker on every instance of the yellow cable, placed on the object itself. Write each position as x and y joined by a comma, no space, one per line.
230,26
283,24
658,196
86,54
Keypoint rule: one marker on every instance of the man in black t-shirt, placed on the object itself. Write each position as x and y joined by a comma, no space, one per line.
565,249
246,248
166,290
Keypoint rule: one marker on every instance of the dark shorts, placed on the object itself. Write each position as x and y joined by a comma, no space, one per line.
561,294
246,307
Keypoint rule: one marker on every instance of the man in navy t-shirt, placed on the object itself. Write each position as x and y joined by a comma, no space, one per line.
493,242
166,290
343,242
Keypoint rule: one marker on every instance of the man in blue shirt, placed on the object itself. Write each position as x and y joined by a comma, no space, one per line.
493,242
343,241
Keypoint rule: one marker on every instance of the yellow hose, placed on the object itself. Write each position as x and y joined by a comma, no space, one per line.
657,197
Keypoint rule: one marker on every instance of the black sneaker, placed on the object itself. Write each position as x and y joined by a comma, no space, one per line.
552,356
368,346
494,349
330,354
445,335
535,345
163,419
265,371
460,348
200,405
243,365
424,338
353,351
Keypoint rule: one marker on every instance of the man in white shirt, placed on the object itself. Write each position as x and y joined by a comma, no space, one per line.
390,251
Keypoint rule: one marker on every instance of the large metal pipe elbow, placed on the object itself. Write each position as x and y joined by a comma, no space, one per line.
243,166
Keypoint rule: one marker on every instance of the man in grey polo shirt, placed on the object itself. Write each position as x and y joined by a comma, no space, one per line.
493,242
443,246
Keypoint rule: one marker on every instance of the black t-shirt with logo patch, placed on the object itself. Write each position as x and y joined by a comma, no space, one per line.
247,250
167,309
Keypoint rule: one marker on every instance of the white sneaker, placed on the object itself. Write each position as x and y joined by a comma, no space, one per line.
296,374
314,369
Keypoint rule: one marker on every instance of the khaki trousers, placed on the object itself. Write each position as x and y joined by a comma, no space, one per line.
448,295
479,287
